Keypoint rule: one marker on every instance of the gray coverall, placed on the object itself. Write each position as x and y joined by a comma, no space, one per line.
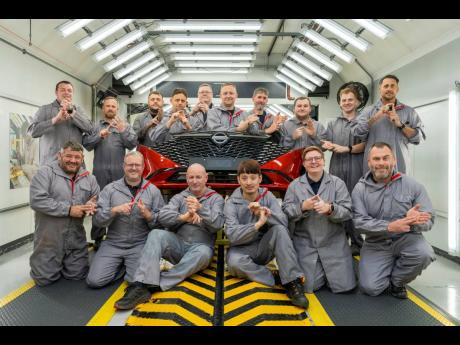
288,128
385,256
189,247
251,249
385,131
126,235
320,241
151,136
53,137
59,240
219,119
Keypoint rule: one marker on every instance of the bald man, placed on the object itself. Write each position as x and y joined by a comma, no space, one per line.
192,217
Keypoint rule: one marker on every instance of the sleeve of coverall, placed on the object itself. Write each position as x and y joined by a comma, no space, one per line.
129,137
157,204
90,140
40,125
237,233
212,213
422,198
169,214
214,121
292,206
82,121
361,130
417,124
277,217
342,203
286,138
103,216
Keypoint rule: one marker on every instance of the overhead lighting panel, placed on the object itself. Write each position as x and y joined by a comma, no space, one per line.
328,45
148,78
344,34
225,64
211,48
283,110
213,70
292,83
375,27
210,38
288,73
304,73
102,33
127,55
72,26
143,71
212,57
119,44
198,25
134,65
317,55
154,83
310,65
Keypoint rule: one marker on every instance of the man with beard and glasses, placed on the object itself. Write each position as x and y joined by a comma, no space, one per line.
192,217
59,122
392,122
392,210
109,139
146,125
61,194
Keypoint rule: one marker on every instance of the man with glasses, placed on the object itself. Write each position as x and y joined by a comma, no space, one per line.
392,210
317,204
200,110
129,207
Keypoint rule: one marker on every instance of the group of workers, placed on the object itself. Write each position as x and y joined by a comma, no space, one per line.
366,191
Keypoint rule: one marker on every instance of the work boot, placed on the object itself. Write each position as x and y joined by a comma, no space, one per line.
296,294
276,276
97,243
134,294
355,249
398,291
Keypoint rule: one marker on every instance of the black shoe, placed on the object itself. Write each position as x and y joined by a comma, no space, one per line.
296,294
398,291
276,276
97,243
355,250
134,295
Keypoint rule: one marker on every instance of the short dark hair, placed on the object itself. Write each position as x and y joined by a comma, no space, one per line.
352,90
249,166
381,145
179,91
389,76
63,82
73,145
154,92
301,98
312,148
260,90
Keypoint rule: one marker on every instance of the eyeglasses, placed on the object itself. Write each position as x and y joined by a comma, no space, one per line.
133,165
311,159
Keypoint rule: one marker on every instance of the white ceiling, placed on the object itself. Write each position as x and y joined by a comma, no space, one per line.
409,40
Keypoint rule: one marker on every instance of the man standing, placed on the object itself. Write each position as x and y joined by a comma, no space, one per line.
192,217
301,130
146,125
59,122
61,194
200,110
257,229
393,210
392,122
109,139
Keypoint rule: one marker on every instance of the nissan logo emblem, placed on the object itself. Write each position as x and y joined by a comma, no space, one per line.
220,138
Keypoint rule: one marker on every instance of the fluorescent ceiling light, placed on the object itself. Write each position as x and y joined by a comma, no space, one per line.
127,55
102,33
317,55
271,111
211,48
71,26
291,83
149,77
328,45
213,70
226,64
119,44
454,172
134,65
288,73
344,34
198,25
310,65
283,110
143,71
154,83
210,38
166,107
304,73
375,27
212,57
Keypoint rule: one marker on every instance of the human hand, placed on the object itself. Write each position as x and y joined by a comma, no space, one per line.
309,203
123,209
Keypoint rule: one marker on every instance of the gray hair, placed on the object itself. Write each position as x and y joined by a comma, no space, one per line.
135,154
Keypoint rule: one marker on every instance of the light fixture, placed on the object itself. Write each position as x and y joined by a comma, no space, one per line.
149,77
211,48
213,70
454,172
310,65
304,73
225,64
166,108
134,65
375,27
71,26
198,25
344,33
127,55
119,44
102,33
154,83
210,38
212,57
317,55
271,111
328,45
288,73
143,71
283,110
292,83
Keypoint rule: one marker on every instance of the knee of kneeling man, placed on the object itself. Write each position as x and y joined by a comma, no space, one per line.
370,289
232,261
94,283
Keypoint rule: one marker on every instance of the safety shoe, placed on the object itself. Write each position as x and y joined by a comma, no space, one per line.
398,291
134,295
355,250
276,276
97,243
296,294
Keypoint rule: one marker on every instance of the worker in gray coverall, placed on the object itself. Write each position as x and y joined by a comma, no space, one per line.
347,152
110,138
59,122
392,122
302,131
317,204
392,210
257,229
129,207
227,117
192,218
61,194
200,110
146,125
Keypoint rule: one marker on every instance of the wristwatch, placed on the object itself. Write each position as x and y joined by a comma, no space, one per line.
402,126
